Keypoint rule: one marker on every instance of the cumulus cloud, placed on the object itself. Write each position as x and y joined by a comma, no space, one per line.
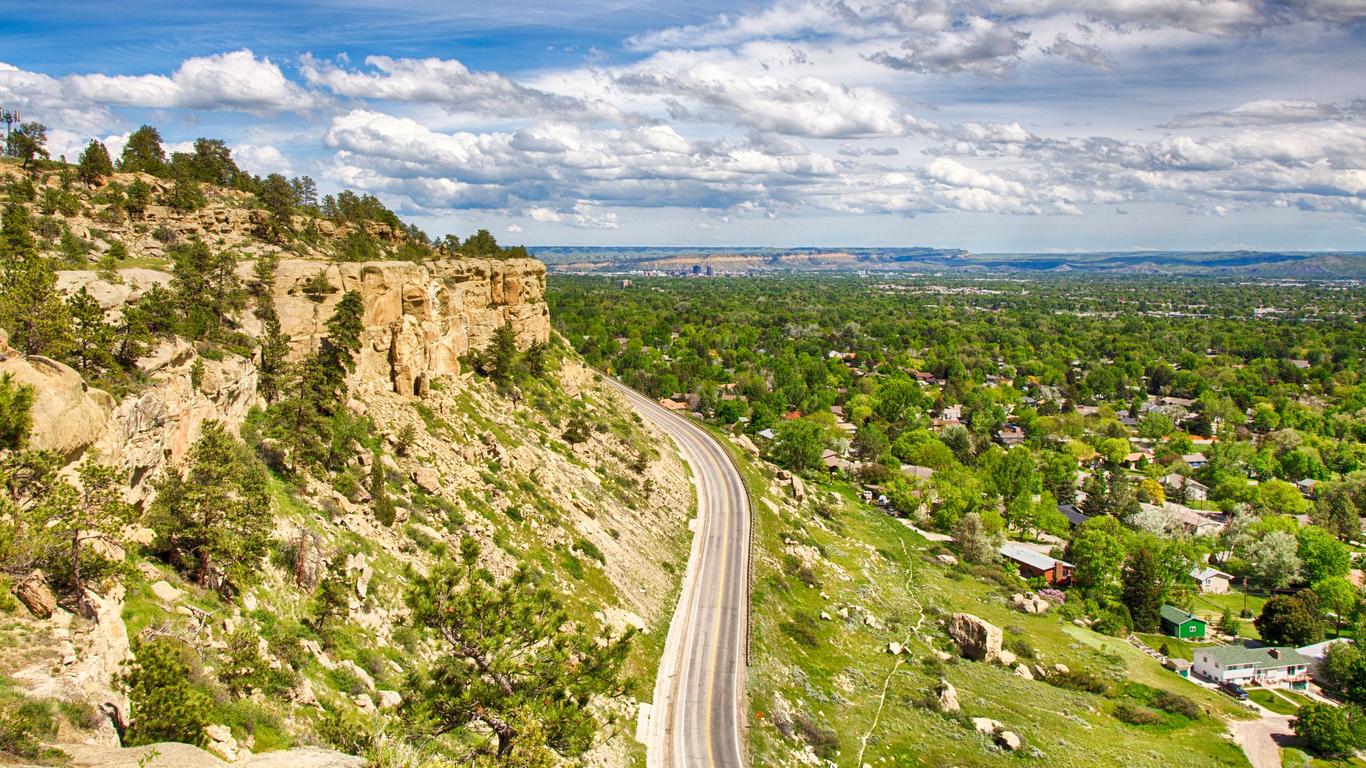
1083,53
261,159
977,44
235,81
805,106
449,84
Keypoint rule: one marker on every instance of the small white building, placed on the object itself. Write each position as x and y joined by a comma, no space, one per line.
1211,580
1267,667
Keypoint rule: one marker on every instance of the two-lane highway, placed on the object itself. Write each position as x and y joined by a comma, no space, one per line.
700,687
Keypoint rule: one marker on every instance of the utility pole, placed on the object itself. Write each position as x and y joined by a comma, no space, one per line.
9,118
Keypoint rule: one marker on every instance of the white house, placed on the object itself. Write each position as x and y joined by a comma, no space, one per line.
1269,667
1211,580
1194,489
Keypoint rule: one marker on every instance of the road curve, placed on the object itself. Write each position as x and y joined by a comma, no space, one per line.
699,689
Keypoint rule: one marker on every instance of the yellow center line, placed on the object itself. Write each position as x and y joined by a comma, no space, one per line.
716,631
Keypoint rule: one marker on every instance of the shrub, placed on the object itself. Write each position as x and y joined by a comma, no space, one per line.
802,629
1136,715
1079,680
1020,647
24,725
164,702
590,549
1177,704
823,740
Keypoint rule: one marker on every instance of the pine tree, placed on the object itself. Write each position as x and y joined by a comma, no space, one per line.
31,309
1142,589
508,657
94,164
98,514
16,413
142,153
91,338
28,142
164,704
215,513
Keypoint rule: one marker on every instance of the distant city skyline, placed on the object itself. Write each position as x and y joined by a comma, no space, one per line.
991,125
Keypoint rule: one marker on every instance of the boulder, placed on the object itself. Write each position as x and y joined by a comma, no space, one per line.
976,638
946,696
389,699
986,726
1007,658
427,479
798,488
946,558
1061,668
304,757
1022,670
1029,602
355,669
747,445
221,742
165,592
67,415
1009,740
36,595
894,648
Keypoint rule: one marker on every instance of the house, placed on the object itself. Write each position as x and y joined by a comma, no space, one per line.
1318,651
1196,522
834,462
1307,487
766,434
1280,667
1182,624
918,472
1012,436
1073,514
1177,484
1211,581
1301,364
1054,571
1194,460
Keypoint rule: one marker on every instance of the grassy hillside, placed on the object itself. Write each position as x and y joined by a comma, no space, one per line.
852,702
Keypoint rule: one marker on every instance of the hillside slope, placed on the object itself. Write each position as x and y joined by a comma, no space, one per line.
545,471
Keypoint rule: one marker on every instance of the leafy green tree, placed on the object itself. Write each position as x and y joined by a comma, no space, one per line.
28,142
797,444
95,164
1098,551
1328,730
164,703
1288,620
1275,556
1142,589
1281,498
481,243
508,657
1340,596
974,542
1322,555
215,513
1336,510
142,153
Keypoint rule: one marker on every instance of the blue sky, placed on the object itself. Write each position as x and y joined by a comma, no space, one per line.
993,125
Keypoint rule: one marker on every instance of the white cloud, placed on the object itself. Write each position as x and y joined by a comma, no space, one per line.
235,81
513,229
261,159
1262,112
451,85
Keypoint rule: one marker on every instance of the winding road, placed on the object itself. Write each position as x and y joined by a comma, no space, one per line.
698,698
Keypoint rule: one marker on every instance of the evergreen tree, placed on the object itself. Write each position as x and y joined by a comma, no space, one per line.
331,602
277,197
31,309
164,703
379,492
206,287
28,142
142,153
16,417
94,164
509,656
91,338
137,198
1142,590
98,514
215,513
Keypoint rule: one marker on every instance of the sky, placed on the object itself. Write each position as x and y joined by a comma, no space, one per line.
990,125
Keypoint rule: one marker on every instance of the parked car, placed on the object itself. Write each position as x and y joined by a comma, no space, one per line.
1234,690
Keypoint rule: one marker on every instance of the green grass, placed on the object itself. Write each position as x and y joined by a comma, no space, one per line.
872,562
1176,647
1295,758
1272,701
1210,607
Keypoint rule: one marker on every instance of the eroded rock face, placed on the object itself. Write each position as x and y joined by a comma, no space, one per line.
67,415
976,638
419,318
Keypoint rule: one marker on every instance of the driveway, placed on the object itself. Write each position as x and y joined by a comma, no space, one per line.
1261,739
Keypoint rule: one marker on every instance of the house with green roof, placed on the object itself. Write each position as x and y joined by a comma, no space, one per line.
1182,624
1269,667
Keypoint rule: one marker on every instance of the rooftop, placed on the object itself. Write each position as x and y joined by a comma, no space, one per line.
1229,655
1021,554
1177,616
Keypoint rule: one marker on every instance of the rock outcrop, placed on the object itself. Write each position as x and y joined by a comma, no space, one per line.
67,415
977,638
419,318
